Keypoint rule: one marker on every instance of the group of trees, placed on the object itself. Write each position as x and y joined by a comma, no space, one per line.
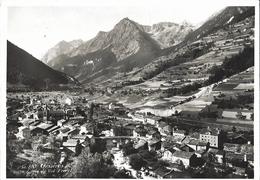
89,165
239,102
182,90
233,65
94,165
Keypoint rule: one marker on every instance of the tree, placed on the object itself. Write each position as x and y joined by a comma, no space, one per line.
78,148
88,165
234,129
123,174
136,161
99,146
128,149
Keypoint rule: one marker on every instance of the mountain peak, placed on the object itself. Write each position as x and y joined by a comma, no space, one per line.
126,21
62,42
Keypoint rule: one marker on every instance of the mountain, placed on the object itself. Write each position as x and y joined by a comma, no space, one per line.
25,70
133,49
126,46
168,34
62,47
125,39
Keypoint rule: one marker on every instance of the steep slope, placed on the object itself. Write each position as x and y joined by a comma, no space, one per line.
24,69
62,47
229,15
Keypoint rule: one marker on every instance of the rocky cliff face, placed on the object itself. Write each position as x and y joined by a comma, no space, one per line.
169,34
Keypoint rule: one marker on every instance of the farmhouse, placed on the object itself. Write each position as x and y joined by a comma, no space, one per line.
185,158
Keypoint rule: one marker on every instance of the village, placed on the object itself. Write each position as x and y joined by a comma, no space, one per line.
141,144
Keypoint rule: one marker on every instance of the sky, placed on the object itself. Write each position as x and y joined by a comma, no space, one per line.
38,28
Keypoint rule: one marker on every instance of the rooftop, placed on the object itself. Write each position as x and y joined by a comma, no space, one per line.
183,154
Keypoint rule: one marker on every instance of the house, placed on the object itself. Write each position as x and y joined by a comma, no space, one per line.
164,128
108,133
152,119
170,142
154,144
85,128
197,145
61,122
186,148
83,138
220,156
70,112
52,129
178,132
129,129
141,145
168,154
26,133
186,140
137,117
211,136
42,114
139,131
41,129
152,132
72,144
63,133
185,158
55,115
32,123
173,140
200,153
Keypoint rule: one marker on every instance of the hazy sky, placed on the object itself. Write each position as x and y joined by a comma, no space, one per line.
36,29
